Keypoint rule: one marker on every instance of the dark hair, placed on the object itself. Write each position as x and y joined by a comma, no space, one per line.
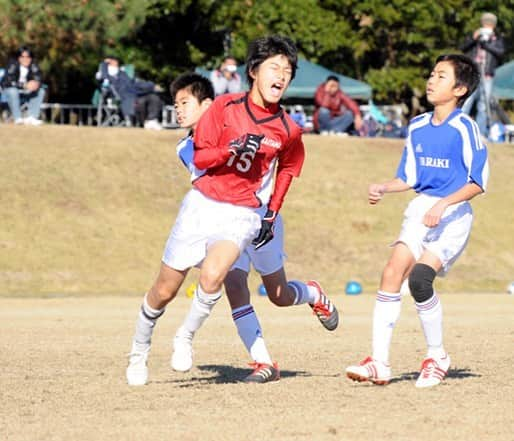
466,72
332,78
199,86
22,49
228,57
266,47
116,58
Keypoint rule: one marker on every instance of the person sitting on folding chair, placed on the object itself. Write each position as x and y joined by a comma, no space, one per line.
139,99
22,84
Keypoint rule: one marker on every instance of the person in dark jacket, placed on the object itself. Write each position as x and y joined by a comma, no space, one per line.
138,98
486,48
22,84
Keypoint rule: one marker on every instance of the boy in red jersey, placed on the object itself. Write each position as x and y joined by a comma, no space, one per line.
241,142
193,95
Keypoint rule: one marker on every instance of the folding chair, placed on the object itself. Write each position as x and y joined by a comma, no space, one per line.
107,102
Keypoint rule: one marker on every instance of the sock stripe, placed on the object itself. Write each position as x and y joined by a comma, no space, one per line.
151,315
242,313
298,289
381,297
428,305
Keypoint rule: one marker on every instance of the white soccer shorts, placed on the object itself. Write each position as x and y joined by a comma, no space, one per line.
201,222
447,240
269,258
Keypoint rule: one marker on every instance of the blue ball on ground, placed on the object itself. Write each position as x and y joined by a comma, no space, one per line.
353,288
262,290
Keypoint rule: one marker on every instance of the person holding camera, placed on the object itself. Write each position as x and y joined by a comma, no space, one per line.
486,48
226,79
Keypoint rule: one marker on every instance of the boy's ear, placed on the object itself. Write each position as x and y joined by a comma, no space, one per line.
206,103
460,91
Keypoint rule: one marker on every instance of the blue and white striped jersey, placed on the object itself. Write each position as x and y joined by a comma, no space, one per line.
185,151
439,160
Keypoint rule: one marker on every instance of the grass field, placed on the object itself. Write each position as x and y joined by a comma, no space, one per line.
84,216
87,211
63,364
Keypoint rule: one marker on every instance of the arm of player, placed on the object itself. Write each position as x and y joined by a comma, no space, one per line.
465,193
208,153
377,191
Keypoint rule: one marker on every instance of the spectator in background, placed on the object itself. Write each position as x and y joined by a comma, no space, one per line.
298,116
334,110
226,79
486,48
139,99
22,83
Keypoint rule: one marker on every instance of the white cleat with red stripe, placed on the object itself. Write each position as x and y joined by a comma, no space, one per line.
370,370
433,371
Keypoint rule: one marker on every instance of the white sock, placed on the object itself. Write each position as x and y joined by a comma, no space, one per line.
201,308
146,321
303,293
249,329
386,313
430,314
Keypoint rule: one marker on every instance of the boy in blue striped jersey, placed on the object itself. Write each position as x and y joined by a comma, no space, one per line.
445,162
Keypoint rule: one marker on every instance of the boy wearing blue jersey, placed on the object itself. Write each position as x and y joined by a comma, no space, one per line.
445,162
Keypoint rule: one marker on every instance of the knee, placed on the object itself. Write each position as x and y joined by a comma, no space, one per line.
210,280
390,274
323,111
421,280
11,92
162,293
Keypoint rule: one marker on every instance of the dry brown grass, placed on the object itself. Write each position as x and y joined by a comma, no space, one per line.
87,211
63,366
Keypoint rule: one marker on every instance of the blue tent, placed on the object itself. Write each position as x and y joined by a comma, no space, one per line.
503,86
309,76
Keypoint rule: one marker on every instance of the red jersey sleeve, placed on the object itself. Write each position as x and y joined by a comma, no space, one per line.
208,153
349,103
290,162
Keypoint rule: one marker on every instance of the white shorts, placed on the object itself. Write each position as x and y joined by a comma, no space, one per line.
269,258
201,222
447,240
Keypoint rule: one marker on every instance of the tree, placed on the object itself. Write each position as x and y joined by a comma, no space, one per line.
69,41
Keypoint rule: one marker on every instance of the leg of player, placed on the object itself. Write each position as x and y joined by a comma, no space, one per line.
249,328
430,312
284,293
387,311
162,292
220,257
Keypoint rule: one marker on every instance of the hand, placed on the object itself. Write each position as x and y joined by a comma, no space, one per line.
267,227
375,193
357,122
246,143
32,85
433,216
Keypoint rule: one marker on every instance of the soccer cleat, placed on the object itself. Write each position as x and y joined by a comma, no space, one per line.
433,371
263,373
182,357
137,369
324,308
370,370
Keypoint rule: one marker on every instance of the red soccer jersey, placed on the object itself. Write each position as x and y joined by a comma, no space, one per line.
246,179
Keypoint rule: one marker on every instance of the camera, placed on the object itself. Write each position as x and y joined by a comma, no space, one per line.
485,34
